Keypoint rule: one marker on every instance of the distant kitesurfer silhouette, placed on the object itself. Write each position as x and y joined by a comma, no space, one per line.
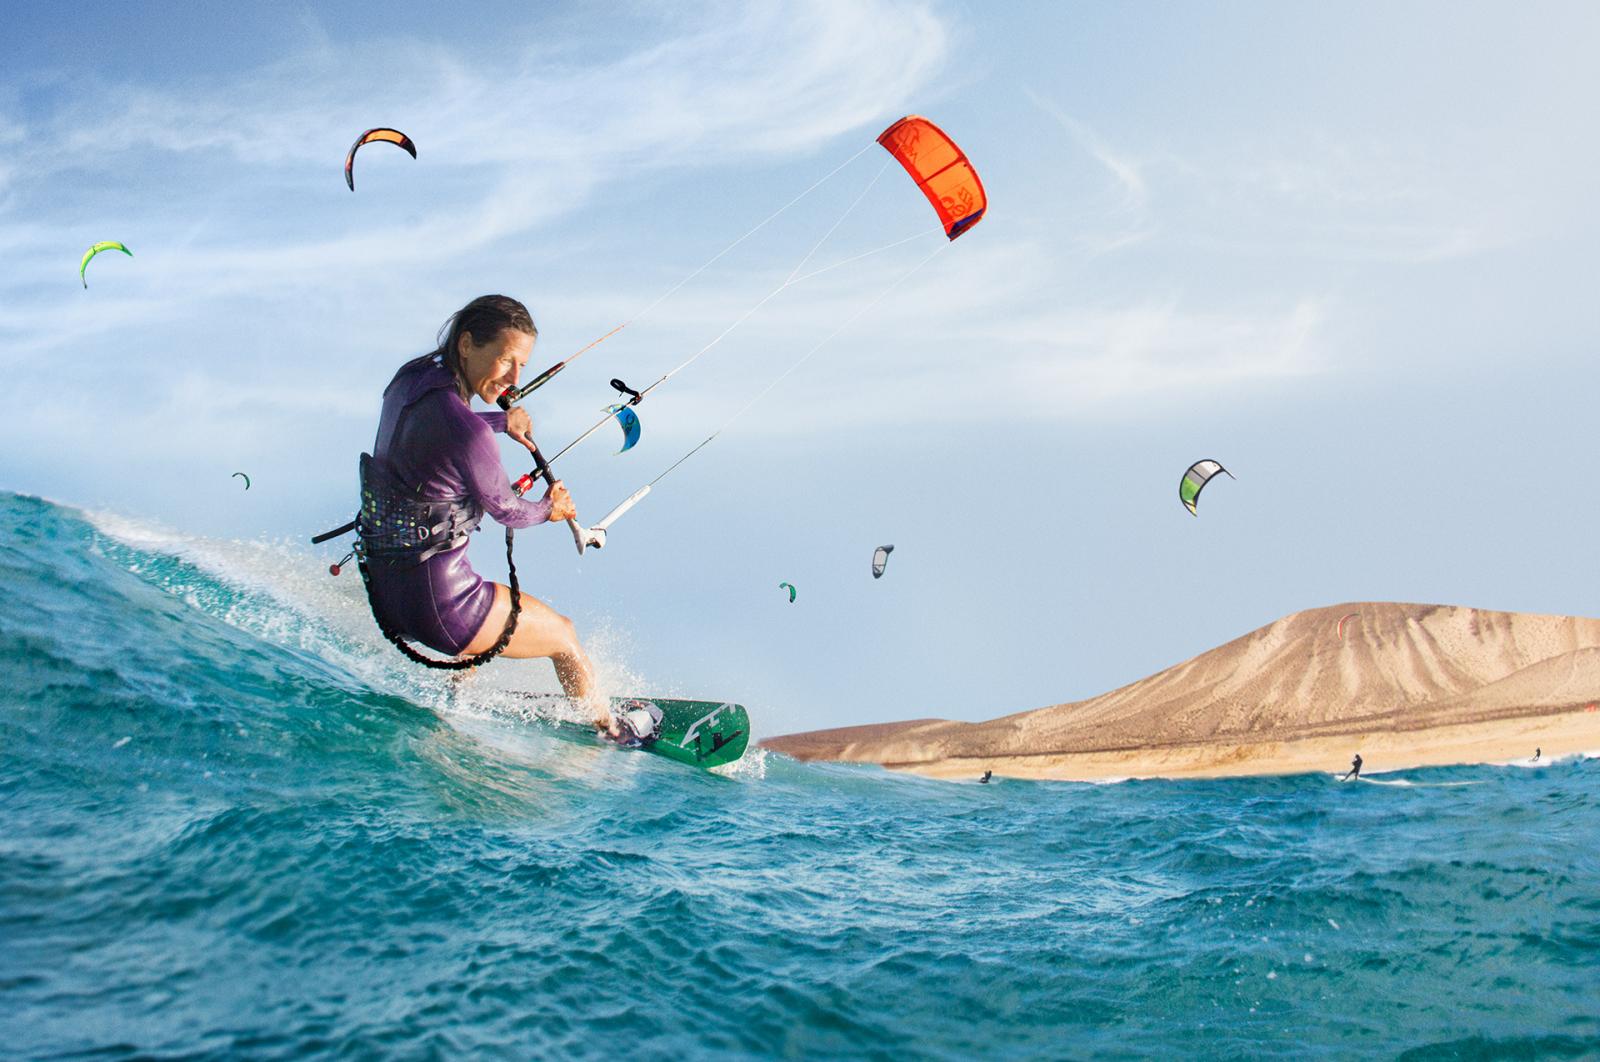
1355,769
1536,754
986,776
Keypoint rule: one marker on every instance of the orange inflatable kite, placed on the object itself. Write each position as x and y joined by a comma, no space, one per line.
940,169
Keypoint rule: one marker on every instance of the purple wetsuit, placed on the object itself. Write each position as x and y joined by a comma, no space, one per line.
437,449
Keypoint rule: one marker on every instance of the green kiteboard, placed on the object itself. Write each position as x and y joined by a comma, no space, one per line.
703,734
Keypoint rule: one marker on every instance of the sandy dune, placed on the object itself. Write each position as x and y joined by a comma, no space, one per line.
1405,685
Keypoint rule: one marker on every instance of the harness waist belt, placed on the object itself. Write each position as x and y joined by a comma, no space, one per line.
397,528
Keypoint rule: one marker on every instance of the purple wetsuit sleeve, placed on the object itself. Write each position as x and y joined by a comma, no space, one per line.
496,421
485,478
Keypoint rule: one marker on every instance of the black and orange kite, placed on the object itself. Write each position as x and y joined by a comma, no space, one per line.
393,136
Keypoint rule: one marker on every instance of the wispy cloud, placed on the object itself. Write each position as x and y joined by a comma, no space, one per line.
1343,201
1127,218
1162,354
508,148
261,279
1308,196
971,338
1126,170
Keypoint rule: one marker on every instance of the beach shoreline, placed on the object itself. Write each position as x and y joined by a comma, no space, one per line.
1501,742
1405,686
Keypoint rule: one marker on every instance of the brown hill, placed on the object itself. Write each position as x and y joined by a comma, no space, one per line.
1274,697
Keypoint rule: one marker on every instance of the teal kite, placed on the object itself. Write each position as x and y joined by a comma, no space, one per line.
782,586
629,421
244,477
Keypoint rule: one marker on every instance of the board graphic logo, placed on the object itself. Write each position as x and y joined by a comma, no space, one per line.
692,735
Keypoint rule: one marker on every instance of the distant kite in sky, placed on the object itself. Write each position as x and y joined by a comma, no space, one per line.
790,588
244,477
629,421
1347,616
880,558
392,136
105,245
940,169
1194,479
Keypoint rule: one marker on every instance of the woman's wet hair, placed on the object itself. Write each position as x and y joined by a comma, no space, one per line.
483,319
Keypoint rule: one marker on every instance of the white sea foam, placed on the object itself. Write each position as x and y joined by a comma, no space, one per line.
286,596
281,594
752,766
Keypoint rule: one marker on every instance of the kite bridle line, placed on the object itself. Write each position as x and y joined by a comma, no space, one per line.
513,395
595,536
542,470
790,281
596,533
638,396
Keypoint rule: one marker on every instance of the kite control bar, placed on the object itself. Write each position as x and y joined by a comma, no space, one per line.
581,536
595,537
541,468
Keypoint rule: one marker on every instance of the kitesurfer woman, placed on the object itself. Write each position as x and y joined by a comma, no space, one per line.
434,473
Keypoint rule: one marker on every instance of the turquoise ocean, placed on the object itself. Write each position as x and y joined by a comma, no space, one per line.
233,823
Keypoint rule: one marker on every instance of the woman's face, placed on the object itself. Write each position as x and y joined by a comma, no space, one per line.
494,366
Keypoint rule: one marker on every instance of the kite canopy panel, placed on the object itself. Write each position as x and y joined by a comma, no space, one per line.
790,588
880,560
103,245
392,136
1195,479
628,420
940,169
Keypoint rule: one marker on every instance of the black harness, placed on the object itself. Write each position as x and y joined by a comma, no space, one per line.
398,529
402,529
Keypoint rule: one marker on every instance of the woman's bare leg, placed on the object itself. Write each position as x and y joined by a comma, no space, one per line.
542,631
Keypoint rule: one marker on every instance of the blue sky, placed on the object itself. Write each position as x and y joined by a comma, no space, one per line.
1345,250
